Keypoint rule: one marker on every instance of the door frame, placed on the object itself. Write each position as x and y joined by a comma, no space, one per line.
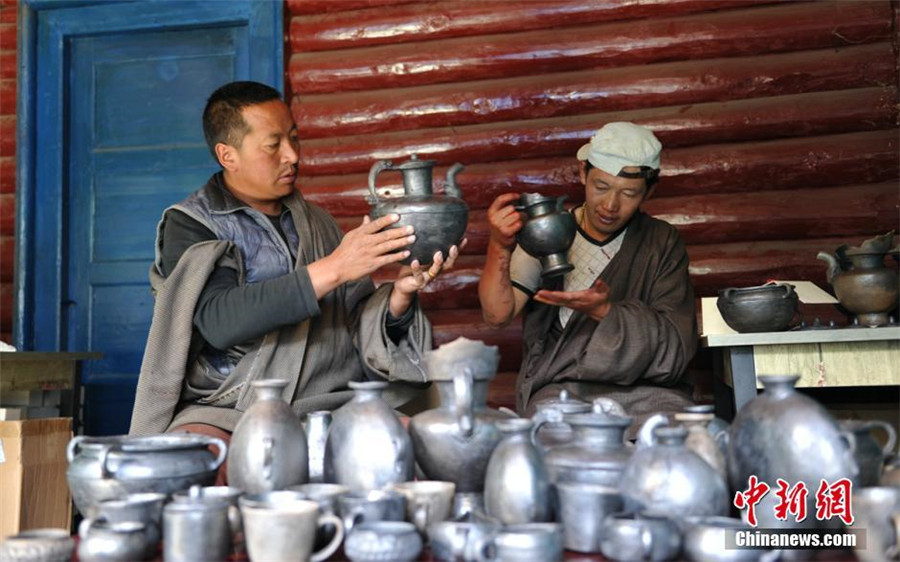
44,29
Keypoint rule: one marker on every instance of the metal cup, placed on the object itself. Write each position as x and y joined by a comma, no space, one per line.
146,508
875,509
629,537
326,496
374,505
196,529
427,502
459,541
582,509
282,526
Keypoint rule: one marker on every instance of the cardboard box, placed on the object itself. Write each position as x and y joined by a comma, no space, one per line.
33,475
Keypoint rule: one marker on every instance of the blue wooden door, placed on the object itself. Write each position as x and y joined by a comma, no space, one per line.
131,108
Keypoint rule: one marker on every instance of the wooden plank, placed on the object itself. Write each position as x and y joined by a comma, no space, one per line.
593,91
781,215
7,135
755,31
803,337
865,157
8,96
7,174
8,64
6,307
8,36
403,23
299,7
849,364
743,120
7,264
7,214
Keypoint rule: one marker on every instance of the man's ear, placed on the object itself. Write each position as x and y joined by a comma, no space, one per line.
581,171
226,156
649,192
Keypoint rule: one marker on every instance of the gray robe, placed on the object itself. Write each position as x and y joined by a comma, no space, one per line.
319,356
638,354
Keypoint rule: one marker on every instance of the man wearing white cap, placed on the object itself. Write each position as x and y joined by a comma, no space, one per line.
622,323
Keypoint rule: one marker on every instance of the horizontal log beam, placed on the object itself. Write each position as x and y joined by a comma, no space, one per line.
743,120
731,33
7,174
820,161
7,214
403,23
7,259
7,135
8,67
300,7
592,91
8,36
6,307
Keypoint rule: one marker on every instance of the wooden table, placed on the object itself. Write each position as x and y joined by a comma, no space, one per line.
841,357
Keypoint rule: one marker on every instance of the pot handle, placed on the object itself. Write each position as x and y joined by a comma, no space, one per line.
726,293
559,202
789,291
376,169
329,549
462,388
268,460
545,416
223,451
72,447
450,187
891,434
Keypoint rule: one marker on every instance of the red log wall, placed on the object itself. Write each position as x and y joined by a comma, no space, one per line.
779,120
8,14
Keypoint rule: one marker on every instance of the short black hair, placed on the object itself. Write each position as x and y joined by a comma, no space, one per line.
650,175
222,119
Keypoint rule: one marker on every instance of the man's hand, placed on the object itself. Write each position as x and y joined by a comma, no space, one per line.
592,302
363,250
505,221
413,278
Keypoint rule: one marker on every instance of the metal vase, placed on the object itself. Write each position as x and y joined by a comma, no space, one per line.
268,447
517,487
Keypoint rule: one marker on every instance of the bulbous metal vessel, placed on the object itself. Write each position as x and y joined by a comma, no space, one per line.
268,447
548,233
862,282
517,487
668,478
367,446
766,308
439,220
454,442
784,434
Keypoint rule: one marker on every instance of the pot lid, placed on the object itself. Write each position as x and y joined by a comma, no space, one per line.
414,163
564,403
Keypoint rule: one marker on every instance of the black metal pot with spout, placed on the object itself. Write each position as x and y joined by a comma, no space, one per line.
439,220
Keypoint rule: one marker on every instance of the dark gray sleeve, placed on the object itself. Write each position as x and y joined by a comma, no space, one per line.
228,313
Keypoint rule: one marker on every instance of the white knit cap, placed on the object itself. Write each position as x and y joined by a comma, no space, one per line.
618,145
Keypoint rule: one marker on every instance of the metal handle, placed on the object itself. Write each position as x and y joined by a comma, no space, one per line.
851,448
223,451
789,291
268,462
421,516
559,202
462,388
70,448
727,293
376,169
891,434
545,416
329,549
450,187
